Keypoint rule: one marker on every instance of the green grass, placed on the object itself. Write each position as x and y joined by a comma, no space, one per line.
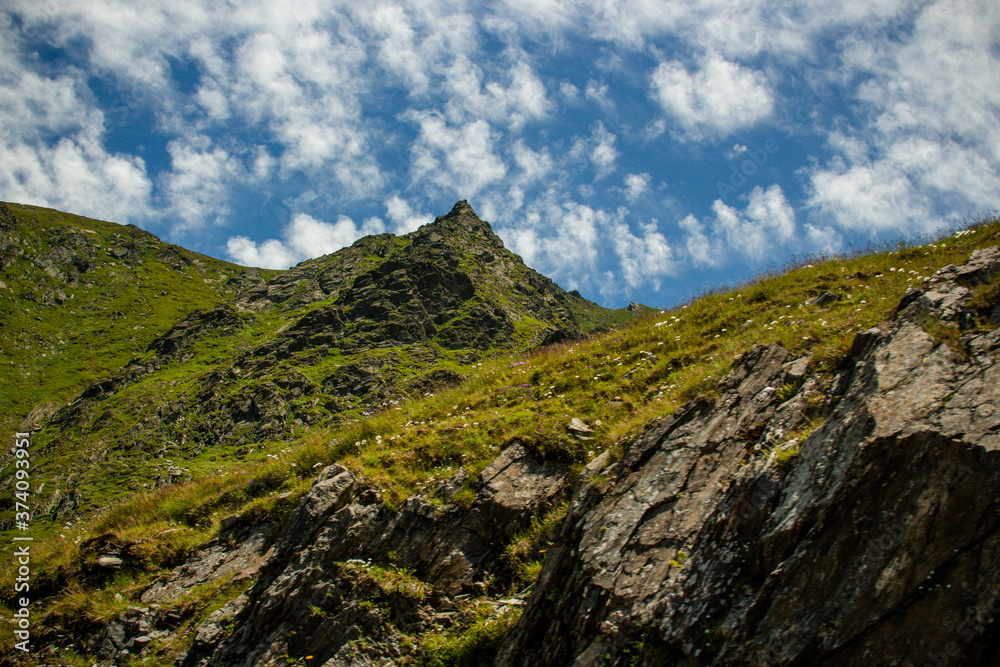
616,382
465,646
54,351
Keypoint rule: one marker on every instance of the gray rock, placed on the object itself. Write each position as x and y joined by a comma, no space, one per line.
868,547
110,562
580,430
141,642
825,298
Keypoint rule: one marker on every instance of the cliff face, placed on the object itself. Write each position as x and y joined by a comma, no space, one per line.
776,522
876,544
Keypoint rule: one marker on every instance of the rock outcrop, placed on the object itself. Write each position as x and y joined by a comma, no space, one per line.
877,543
345,567
851,523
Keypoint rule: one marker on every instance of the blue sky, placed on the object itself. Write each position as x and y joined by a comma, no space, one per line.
642,150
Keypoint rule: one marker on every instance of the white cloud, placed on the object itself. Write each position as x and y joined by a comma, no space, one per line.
304,237
416,41
599,93
76,174
309,237
457,159
310,102
931,150
271,254
560,237
526,243
635,186
825,239
523,99
52,147
869,198
604,153
643,259
765,226
771,210
719,98
534,165
306,91
403,215
570,92
736,151
699,247
197,186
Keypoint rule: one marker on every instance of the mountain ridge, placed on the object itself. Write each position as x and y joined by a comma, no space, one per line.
656,495
335,337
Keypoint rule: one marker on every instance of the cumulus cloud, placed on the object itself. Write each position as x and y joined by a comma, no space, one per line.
645,258
533,165
599,93
560,237
719,98
931,152
271,254
524,98
635,186
304,237
736,151
459,159
403,215
353,102
823,238
764,226
699,247
74,171
767,222
866,197
76,174
198,184
604,153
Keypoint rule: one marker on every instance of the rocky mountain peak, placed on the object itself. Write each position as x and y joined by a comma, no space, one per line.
461,226
461,207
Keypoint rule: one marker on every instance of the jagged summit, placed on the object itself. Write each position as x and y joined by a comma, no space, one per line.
460,225
460,207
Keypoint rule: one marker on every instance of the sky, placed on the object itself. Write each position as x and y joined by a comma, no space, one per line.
635,150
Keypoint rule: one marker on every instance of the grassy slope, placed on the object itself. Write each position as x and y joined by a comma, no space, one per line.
117,453
610,381
52,352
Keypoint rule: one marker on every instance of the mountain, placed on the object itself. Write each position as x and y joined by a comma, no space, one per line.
255,357
801,470
80,297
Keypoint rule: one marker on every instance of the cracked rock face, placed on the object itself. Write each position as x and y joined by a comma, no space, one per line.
321,562
877,544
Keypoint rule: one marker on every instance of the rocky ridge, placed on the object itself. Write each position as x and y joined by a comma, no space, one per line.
337,337
778,521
